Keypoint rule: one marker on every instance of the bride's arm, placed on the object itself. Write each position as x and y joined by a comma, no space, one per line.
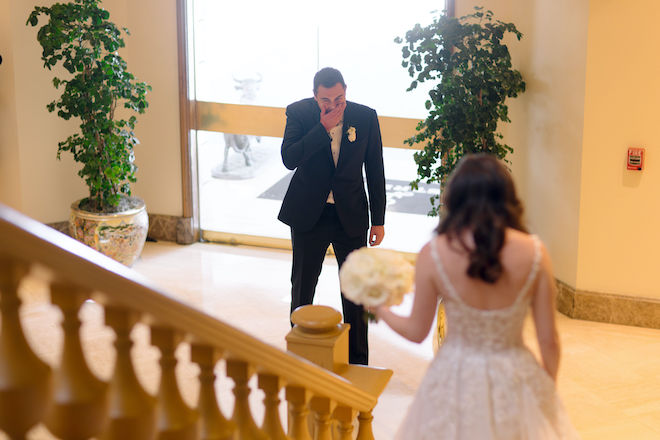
543,310
416,326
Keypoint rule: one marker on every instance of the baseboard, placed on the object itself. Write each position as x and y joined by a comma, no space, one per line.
161,228
62,227
171,228
606,307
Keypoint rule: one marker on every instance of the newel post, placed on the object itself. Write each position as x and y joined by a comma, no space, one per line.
319,336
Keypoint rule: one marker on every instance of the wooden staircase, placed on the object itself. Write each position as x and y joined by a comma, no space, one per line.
72,403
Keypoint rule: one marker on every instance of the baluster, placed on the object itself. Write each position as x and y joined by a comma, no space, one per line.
214,425
175,420
272,425
25,380
79,405
132,412
364,429
297,397
345,416
322,408
240,372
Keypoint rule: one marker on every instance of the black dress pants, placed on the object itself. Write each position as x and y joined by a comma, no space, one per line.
309,250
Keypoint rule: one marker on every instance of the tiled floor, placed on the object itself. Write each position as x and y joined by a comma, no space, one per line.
609,378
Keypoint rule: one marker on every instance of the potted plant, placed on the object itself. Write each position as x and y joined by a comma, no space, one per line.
474,77
472,69
79,36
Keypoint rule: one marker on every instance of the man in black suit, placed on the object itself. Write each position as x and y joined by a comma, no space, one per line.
328,141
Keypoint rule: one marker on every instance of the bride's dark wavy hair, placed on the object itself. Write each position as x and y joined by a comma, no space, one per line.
480,197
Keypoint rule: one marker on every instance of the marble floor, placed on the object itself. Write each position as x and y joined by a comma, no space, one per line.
609,377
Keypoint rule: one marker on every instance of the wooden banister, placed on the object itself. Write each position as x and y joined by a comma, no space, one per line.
76,272
79,405
132,410
66,258
27,379
214,425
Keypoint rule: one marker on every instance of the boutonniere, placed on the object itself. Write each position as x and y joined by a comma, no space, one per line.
351,134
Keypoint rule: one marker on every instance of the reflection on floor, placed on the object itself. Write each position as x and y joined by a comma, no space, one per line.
609,379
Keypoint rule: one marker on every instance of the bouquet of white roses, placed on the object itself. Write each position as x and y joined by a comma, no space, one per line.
373,277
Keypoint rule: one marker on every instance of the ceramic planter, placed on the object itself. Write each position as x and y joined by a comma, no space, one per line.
119,235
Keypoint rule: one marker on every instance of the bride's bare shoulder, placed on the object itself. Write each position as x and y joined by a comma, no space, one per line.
516,237
425,254
425,251
518,247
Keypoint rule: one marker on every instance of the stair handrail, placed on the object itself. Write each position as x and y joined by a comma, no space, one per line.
60,257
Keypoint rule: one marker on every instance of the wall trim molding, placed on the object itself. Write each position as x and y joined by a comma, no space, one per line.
607,307
171,228
162,227
62,227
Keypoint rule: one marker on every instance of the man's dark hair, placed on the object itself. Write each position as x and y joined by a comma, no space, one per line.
328,77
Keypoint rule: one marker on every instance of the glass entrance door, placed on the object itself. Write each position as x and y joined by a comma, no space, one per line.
251,59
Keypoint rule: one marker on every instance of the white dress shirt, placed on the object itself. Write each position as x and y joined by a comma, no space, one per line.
335,144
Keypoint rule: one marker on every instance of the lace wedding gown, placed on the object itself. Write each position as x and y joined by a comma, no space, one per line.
484,383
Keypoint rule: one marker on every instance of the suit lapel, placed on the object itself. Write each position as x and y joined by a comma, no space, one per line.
348,122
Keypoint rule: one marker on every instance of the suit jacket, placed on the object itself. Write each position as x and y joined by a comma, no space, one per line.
306,149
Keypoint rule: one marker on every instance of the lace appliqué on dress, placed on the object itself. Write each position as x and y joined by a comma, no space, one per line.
484,383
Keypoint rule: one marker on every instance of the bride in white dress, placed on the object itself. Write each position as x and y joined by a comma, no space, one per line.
484,383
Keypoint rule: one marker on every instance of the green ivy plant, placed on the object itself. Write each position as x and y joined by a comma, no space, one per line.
472,69
80,37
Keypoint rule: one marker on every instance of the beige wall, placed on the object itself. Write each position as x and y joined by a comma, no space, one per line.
547,120
620,209
593,86
10,190
152,57
32,180
36,179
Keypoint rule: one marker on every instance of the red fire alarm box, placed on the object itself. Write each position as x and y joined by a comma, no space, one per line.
635,159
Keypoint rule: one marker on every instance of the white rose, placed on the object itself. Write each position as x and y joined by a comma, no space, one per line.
351,134
372,277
